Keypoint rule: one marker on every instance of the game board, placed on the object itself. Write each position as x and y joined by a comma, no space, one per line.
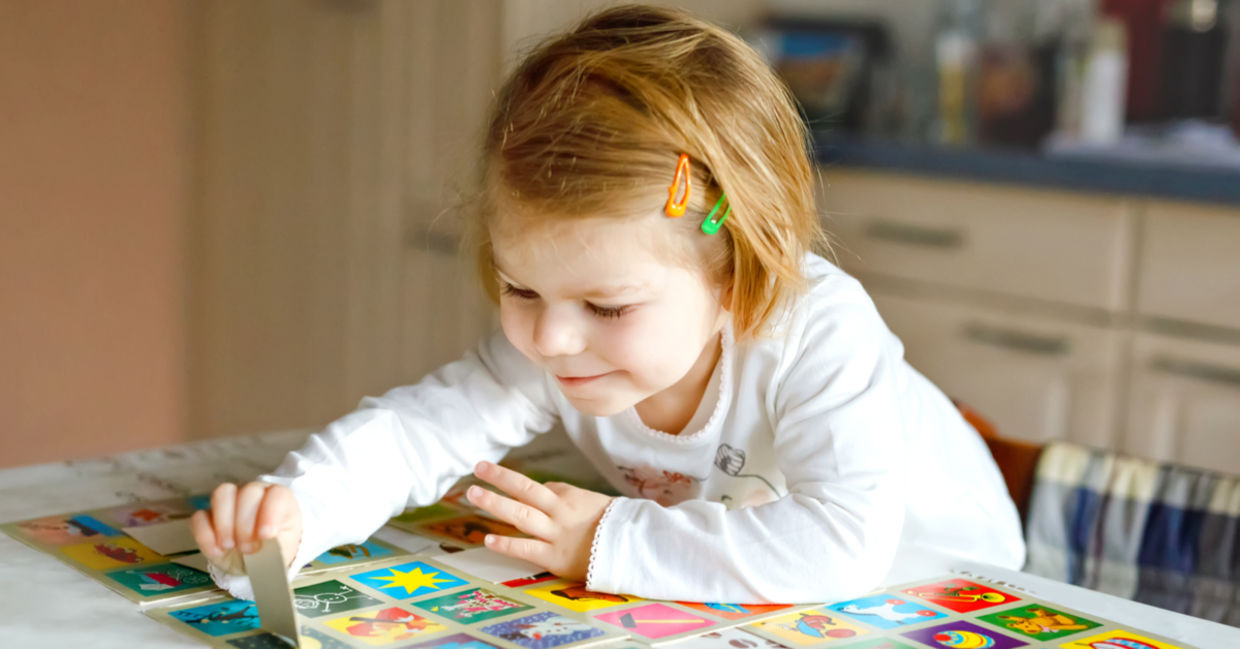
418,602
375,594
95,543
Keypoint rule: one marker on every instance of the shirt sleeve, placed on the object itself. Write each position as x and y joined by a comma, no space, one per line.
407,447
838,443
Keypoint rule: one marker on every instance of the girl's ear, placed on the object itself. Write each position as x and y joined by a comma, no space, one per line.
725,297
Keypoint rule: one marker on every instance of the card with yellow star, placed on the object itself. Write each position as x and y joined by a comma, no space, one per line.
408,580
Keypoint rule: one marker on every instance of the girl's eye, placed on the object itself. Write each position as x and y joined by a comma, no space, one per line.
608,311
523,293
600,311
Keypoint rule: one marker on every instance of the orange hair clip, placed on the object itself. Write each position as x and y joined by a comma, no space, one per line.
673,208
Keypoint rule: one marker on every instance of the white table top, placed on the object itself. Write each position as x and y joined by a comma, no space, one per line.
45,603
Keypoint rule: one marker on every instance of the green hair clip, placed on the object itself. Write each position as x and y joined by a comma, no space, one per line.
710,225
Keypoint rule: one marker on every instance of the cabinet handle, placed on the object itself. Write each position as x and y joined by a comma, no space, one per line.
1018,340
917,235
1196,370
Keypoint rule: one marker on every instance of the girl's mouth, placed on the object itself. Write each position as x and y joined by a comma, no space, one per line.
572,381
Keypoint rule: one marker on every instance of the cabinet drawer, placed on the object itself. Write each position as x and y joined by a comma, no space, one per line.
1185,403
1036,379
1190,264
1055,246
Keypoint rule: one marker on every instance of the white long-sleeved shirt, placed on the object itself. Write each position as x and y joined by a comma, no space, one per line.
817,461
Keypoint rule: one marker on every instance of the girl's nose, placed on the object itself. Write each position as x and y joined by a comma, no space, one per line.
558,331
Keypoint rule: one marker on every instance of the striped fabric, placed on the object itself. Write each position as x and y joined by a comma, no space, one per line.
1156,533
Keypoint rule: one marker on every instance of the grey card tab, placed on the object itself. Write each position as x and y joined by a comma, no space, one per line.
269,578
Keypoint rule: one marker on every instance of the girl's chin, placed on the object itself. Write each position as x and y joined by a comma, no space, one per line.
597,407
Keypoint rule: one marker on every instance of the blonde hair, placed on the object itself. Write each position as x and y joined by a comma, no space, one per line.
592,122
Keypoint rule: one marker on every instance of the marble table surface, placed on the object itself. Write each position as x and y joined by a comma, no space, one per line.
45,603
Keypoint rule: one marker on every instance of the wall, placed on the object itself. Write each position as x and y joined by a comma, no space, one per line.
94,119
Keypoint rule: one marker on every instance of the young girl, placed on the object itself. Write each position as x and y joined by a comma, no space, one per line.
646,224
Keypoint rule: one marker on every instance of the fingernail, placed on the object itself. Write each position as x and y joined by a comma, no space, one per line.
247,548
227,544
266,532
489,540
473,492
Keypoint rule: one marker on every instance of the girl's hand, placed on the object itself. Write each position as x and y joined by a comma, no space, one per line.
561,517
240,520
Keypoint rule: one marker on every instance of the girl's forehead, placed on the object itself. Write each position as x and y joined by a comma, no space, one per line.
578,242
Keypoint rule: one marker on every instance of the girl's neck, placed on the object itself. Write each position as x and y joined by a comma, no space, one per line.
672,409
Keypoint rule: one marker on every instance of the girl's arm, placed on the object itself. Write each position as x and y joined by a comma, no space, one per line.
407,447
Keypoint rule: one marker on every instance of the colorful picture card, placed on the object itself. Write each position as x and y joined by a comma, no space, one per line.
961,595
886,612
959,634
1040,623
409,580
812,627
657,622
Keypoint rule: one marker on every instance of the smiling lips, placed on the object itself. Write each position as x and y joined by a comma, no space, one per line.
579,380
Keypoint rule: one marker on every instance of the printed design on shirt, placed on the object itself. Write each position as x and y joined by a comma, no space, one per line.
962,635
664,487
1040,622
810,627
960,595
543,631
385,625
731,461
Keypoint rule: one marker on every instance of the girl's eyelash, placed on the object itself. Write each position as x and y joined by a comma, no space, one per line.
600,311
609,311
522,293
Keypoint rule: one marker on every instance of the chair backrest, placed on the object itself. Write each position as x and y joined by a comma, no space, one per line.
1017,460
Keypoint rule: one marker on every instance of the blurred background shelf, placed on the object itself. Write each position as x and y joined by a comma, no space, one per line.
1112,174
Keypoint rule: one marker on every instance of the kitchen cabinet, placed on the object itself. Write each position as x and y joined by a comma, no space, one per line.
1107,320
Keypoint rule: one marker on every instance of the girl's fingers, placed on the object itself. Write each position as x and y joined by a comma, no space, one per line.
223,504
279,517
531,550
204,535
248,500
278,512
521,516
518,486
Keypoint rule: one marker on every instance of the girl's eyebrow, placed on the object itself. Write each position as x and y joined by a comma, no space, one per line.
601,292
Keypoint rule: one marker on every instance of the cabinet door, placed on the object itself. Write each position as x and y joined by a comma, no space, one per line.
1189,270
1036,379
1185,403
1057,247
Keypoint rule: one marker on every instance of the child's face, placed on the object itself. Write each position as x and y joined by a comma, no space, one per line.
602,305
